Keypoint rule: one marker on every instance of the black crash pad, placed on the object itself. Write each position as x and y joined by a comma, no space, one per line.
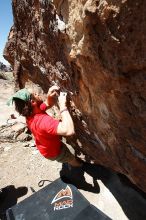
56,201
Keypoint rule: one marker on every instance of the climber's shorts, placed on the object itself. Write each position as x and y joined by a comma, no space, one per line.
65,155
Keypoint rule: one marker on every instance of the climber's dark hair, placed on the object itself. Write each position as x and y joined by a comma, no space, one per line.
22,107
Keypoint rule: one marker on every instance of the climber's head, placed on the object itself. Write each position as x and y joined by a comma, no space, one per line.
26,102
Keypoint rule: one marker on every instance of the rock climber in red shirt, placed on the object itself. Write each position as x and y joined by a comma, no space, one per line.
45,129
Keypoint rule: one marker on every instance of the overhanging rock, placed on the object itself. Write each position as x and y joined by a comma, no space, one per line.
99,58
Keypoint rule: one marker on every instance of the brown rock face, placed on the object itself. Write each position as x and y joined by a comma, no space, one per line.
95,50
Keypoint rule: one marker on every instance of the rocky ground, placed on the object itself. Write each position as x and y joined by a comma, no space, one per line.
22,168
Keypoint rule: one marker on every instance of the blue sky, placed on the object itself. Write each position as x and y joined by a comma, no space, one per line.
6,21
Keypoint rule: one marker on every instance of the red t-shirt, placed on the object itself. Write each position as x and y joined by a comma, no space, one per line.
44,129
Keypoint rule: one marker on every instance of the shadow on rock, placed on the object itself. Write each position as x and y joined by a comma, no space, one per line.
75,176
8,198
130,198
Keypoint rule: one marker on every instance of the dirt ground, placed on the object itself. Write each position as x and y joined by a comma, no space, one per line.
22,168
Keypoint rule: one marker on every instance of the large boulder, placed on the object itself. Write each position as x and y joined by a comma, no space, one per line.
95,50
